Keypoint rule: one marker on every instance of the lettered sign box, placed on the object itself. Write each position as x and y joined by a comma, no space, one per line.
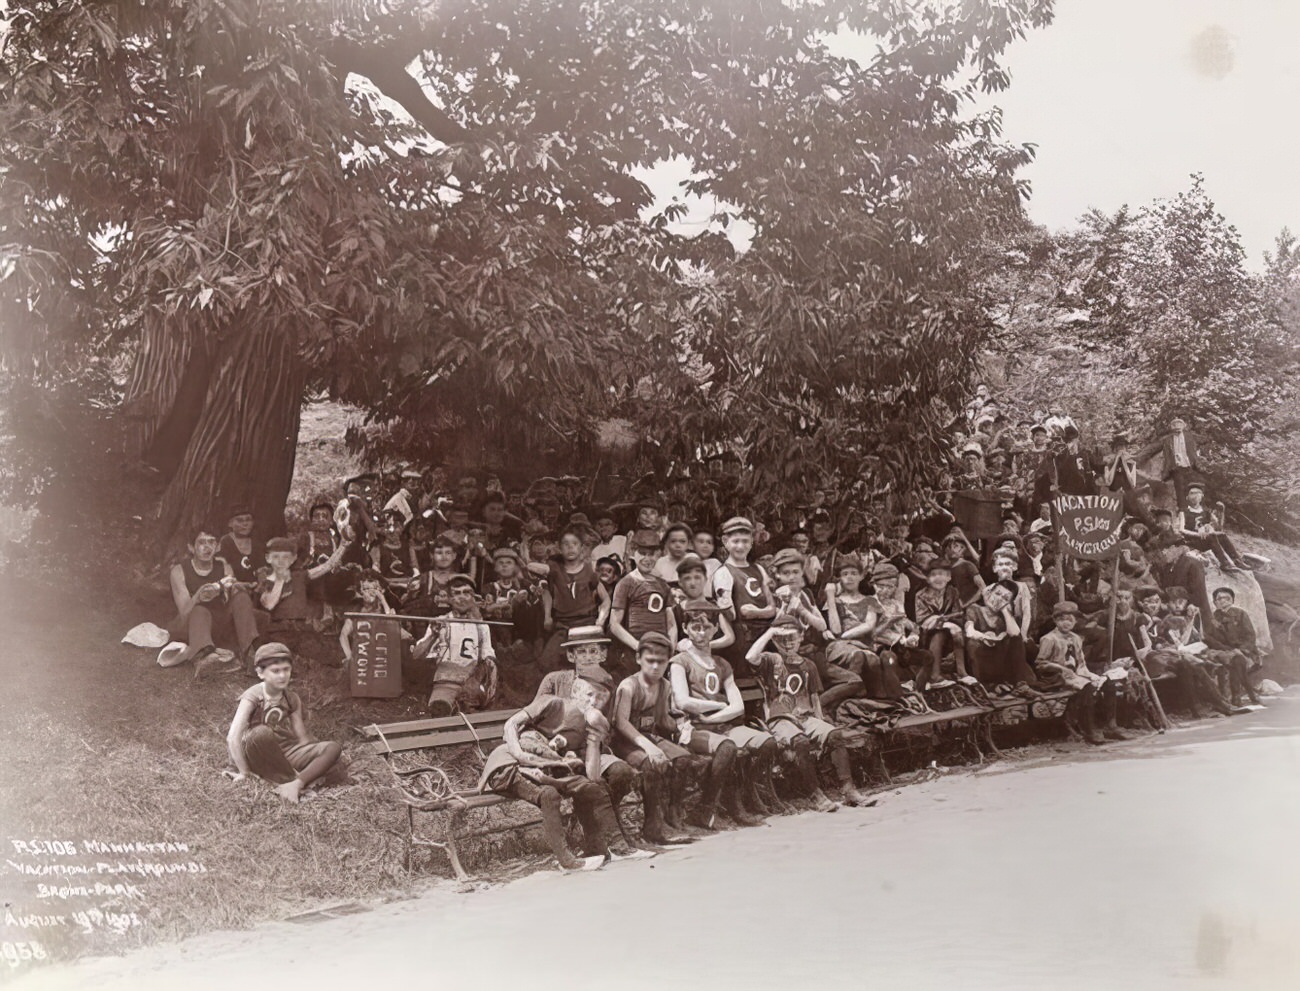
376,657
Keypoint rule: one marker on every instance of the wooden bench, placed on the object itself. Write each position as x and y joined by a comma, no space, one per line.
425,787
900,735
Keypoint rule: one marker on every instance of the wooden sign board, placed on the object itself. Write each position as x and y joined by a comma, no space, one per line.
376,657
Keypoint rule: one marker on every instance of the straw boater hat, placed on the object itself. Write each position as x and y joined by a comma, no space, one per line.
580,636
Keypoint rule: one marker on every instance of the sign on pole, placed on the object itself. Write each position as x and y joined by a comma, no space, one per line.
1089,525
376,657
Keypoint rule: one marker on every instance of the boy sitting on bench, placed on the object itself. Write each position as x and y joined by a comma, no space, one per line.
793,712
704,688
552,749
586,648
646,734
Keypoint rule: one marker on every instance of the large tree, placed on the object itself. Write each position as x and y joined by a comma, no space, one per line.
217,192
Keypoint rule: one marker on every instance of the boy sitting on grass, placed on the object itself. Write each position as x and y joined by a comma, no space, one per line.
268,736
793,712
464,661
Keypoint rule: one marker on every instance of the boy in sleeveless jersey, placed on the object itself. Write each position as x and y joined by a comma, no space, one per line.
645,732
268,736
704,687
742,589
572,596
641,603
794,715
206,594
586,649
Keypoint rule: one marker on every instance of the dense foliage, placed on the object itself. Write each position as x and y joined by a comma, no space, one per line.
213,195
1131,319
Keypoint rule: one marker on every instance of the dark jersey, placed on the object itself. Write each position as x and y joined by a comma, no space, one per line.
746,587
573,595
648,708
561,721
645,601
395,563
788,686
195,581
242,566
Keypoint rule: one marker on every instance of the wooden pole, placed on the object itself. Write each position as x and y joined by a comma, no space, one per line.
1114,585
1056,525
424,619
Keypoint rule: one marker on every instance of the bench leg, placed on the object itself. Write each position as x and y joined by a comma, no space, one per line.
454,820
447,844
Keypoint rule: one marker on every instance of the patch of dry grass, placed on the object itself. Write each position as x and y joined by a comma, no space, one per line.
322,461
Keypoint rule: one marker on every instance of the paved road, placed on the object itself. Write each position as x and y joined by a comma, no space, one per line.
1169,862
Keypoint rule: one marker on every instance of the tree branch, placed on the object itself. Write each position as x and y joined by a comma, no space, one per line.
385,66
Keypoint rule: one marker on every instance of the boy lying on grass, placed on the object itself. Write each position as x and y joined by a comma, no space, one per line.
268,737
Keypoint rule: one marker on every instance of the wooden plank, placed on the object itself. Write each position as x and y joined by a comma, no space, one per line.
442,722
447,738
933,718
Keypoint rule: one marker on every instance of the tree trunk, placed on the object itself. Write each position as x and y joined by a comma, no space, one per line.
242,447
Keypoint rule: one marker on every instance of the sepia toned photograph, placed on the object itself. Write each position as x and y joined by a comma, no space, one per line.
644,494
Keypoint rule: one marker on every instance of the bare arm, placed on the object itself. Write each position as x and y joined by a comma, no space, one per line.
602,597
618,631
734,708
683,698
726,634
235,736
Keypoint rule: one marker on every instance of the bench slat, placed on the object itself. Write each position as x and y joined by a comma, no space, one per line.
441,723
930,718
488,734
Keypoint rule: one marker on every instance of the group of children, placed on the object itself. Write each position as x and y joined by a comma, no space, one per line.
835,608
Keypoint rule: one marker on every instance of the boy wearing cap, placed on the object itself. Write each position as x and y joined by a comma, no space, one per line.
586,649
792,599
571,596
1061,665
238,547
692,585
1199,528
1181,456
282,586
1230,633
612,543
793,712
741,588
268,736
939,614
646,734
464,661
641,602
704,687
552,749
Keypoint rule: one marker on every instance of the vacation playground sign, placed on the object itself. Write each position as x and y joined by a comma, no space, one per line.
1089,525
